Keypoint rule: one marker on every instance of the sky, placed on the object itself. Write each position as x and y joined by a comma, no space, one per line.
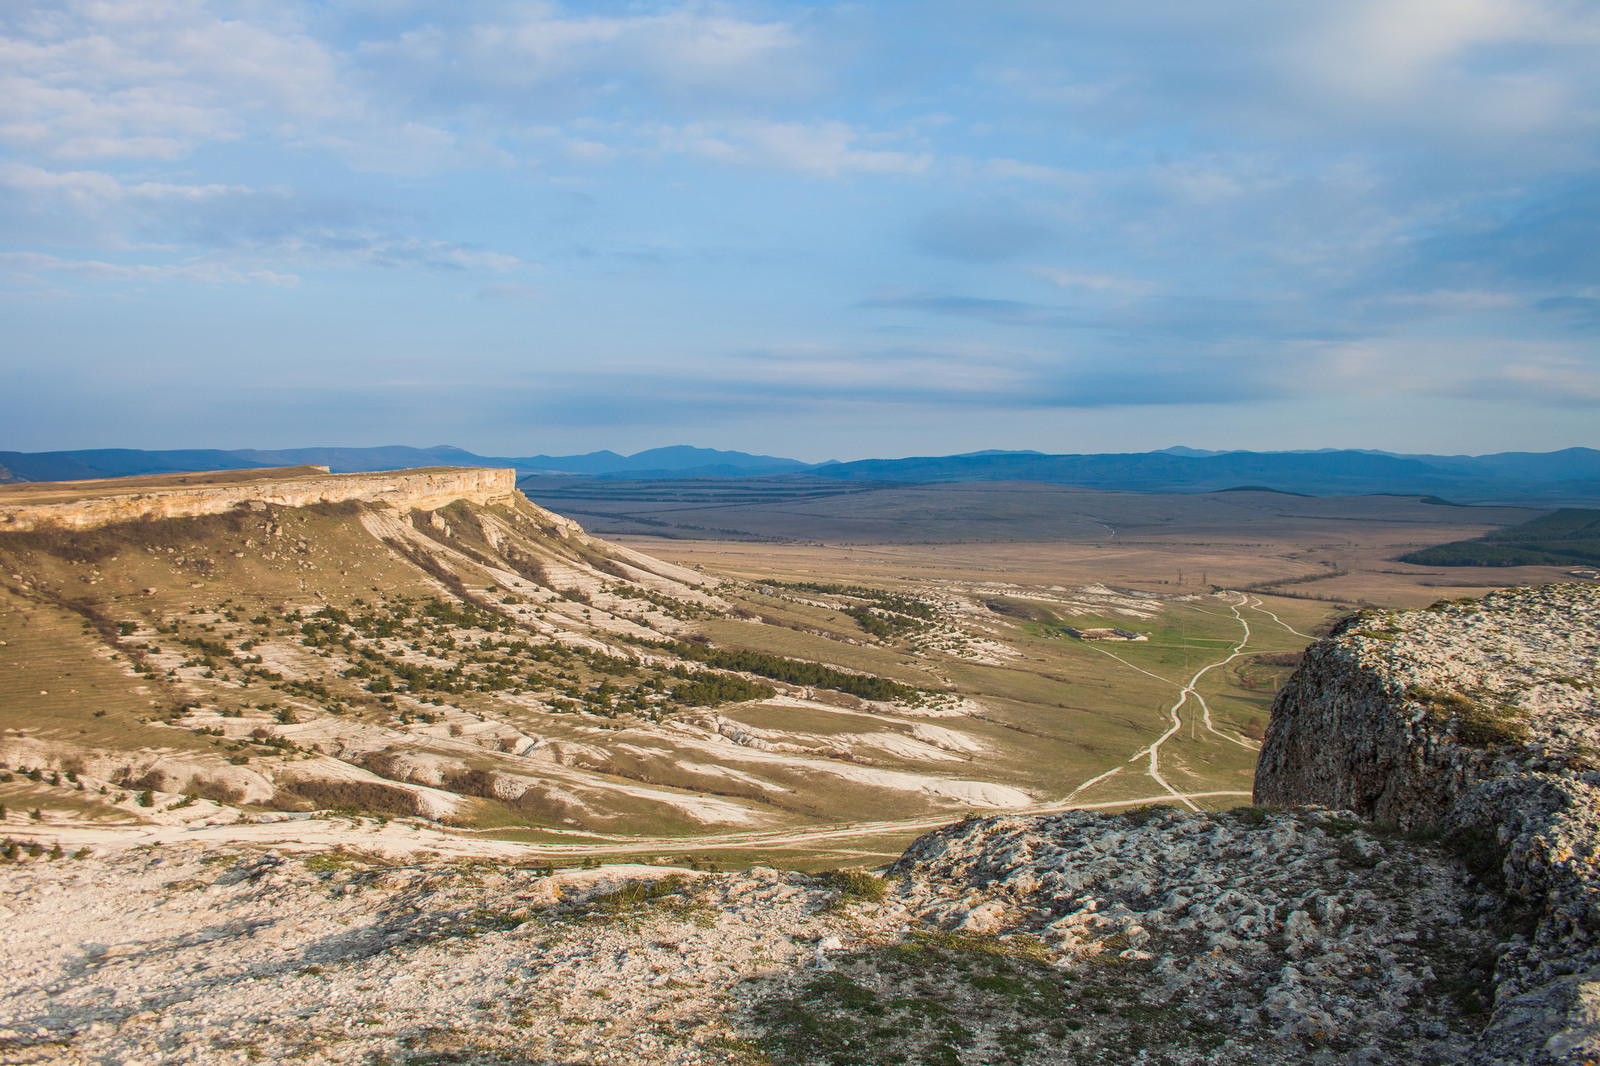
811,230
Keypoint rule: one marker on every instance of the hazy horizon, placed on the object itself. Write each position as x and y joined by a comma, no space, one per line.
805,230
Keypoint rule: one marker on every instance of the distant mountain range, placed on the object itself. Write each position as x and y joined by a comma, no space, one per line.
1572,474
674,462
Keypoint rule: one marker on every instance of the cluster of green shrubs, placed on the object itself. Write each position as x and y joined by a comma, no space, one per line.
885,614
709,689
790,671
1566,537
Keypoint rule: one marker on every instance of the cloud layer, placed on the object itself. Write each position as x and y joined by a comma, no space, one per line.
635,224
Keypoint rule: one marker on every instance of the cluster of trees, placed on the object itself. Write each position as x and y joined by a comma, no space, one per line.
791,671
883,614
1568,537
707,689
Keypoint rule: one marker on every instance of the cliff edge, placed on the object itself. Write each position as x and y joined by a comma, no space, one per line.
87,505
1480,720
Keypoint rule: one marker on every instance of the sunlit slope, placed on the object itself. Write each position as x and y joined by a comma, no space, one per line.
487,664
480,664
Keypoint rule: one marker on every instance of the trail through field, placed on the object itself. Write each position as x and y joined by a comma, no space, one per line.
1258,608
407,838
1174,715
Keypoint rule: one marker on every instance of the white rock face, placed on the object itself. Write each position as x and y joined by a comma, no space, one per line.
1479,719
1286,932
421,489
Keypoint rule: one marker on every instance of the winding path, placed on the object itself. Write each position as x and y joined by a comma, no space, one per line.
1153,750
1260,609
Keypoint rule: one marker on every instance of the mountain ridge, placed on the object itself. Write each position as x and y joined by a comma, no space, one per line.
1570,473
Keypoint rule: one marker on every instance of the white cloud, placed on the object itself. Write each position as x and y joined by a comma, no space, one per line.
105,80
95,188
1107,283
250,231
1455,300
1386,49
825,149
1009,169
1485,367
687,48
28,266
1564,381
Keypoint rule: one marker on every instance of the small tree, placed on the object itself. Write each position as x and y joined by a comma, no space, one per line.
147,798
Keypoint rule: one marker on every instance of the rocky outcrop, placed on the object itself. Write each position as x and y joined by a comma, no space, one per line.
1254,936
1155,937
420,489
1481,720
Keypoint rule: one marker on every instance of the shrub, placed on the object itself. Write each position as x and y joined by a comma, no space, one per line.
708,689
1250,815
855,885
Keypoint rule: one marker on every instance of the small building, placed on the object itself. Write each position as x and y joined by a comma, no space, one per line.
1105,634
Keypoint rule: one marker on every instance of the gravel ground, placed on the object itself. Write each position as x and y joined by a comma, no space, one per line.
1155,936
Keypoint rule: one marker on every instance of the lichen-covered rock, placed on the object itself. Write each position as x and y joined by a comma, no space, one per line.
1482,719
1259,937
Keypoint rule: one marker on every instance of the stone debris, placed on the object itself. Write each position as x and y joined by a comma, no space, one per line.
1259,937
183,955
1277,936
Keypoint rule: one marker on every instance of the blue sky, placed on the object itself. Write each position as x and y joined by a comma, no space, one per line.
823,231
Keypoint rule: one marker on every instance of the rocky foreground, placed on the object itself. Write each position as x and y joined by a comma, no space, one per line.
1439,906
1155,936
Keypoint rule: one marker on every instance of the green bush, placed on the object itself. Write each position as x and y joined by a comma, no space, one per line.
856,885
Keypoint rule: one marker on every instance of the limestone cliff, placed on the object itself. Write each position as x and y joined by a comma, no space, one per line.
78,506
1479,719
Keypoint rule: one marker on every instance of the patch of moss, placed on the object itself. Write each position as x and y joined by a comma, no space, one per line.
1476,724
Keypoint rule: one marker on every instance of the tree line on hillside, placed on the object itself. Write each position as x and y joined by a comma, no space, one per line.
1570,536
